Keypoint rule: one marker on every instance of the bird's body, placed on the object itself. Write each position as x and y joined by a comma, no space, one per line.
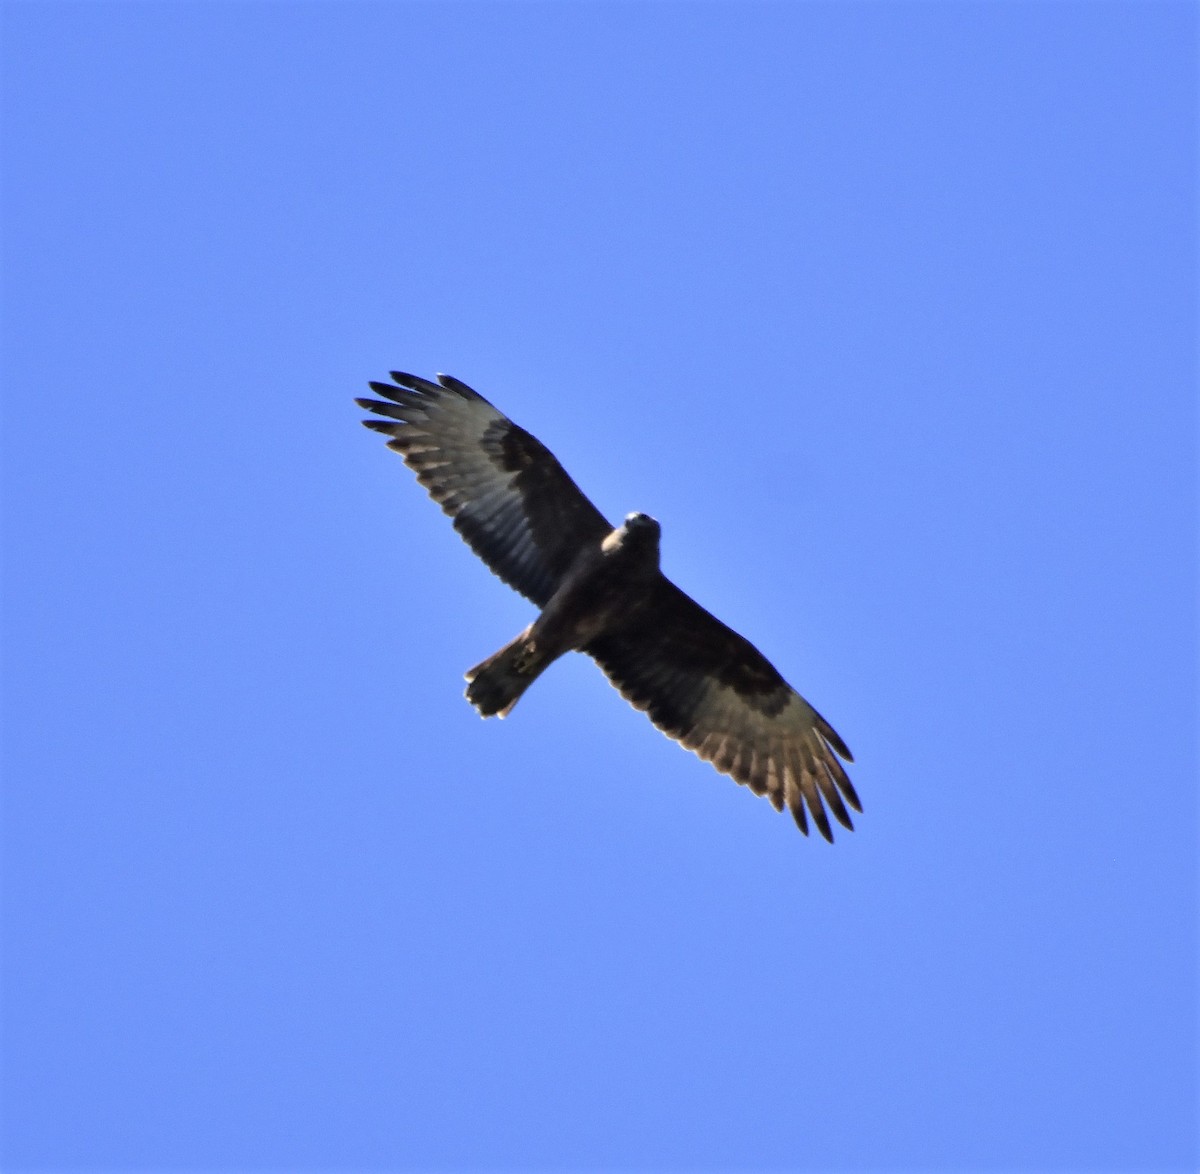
601,592
603,589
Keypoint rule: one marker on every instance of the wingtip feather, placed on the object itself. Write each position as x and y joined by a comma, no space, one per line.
832,737
452,384
386,390
415,383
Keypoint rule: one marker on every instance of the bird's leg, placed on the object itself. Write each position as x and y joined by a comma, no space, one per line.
525,656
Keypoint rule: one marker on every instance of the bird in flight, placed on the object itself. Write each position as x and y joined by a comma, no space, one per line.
601,592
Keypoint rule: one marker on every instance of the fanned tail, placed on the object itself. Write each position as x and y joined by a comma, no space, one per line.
496,684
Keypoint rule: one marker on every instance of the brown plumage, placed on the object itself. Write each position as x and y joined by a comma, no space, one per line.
601,592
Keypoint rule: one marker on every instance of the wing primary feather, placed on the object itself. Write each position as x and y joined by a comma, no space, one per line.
795,799
387,391
400,395
415,383
764,765
831,736
813,798
452,384
834,799
723,759
767,766
840,777
829,792
743,767
807,786
380,407
759,769
776,778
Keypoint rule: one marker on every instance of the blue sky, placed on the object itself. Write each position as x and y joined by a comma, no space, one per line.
885,311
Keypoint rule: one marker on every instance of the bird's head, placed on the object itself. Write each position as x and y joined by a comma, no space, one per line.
635,539
642,525
639,535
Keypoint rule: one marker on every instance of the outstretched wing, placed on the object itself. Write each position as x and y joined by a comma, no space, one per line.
509,498
712,690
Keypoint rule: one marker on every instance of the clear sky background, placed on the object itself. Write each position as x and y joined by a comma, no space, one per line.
885,311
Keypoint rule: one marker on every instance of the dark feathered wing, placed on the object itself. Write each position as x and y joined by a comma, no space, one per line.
712,690
509,498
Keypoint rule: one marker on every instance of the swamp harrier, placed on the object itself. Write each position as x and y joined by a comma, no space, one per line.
601,592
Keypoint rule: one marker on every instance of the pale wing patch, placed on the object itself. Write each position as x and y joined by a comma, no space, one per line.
711,690
510,499
783,757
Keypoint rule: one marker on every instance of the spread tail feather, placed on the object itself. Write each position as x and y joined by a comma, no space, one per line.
496,684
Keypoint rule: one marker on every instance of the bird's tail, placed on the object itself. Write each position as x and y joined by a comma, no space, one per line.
496,684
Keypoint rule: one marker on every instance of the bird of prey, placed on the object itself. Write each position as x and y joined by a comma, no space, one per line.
601,592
